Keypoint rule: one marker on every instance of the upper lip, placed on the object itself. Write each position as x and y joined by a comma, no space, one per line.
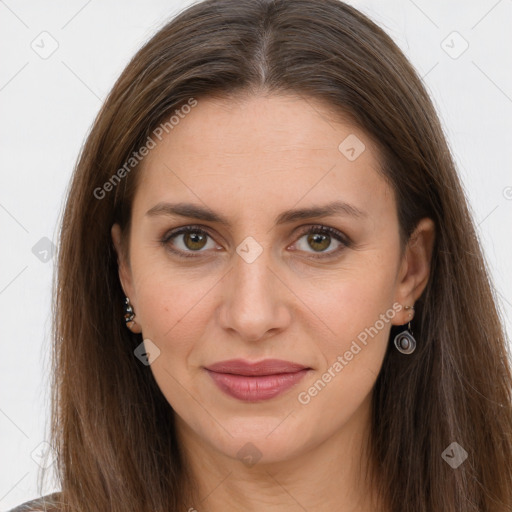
265,367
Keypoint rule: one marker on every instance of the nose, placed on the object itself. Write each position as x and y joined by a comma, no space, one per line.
254,299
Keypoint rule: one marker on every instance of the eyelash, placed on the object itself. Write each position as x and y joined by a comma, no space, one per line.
316,229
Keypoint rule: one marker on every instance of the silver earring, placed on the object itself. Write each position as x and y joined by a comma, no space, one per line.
405,341
129,315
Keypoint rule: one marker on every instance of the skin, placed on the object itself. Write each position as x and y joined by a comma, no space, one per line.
249,159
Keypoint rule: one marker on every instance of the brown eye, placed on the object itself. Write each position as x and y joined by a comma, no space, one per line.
187,240
194,241
318,239
319,242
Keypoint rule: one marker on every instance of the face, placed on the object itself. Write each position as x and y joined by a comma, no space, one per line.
259,276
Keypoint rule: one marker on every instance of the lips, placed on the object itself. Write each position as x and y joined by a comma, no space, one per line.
265,367
249,381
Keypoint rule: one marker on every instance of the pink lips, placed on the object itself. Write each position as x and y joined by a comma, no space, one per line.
256,381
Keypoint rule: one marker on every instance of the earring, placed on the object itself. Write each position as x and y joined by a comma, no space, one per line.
405,341
129,315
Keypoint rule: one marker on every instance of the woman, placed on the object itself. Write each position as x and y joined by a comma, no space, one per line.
262,299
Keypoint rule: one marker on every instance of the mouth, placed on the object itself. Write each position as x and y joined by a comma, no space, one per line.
251,382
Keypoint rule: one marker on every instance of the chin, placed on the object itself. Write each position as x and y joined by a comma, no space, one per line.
261,440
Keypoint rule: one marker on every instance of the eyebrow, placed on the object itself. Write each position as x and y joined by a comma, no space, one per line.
206,214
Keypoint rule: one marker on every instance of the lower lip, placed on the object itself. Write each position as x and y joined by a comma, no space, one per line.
252,389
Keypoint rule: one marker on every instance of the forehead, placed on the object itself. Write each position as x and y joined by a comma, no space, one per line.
259,149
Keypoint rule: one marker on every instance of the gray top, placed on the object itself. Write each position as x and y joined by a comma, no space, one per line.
39,504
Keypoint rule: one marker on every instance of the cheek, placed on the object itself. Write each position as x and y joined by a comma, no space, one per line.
352,299
356,313
359,320
174,312
170,307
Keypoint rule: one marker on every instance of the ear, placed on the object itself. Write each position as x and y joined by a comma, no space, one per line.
414,270
125,275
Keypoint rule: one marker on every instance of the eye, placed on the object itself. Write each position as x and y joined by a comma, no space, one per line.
320,238
189,239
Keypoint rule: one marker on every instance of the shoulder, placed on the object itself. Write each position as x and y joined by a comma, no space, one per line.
42,504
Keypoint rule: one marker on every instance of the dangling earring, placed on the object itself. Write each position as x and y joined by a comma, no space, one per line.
404,341
129,315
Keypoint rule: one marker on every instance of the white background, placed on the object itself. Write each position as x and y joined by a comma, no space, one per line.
48,105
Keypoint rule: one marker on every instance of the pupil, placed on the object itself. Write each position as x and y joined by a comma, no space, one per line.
317,239
195,238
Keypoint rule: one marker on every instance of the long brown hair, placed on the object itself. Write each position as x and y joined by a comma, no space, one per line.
113,430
